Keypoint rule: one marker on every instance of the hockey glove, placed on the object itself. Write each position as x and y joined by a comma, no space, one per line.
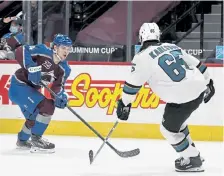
34,74
122,110
209,92
61,100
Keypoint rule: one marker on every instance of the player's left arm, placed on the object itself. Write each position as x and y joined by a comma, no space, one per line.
138,76
192,61
210,91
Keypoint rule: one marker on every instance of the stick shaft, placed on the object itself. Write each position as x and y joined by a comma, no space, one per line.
109,134
80,118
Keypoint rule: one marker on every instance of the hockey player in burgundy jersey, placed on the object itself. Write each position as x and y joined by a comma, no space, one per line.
39,64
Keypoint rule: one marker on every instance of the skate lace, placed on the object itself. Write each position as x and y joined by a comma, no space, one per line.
184,161
44,141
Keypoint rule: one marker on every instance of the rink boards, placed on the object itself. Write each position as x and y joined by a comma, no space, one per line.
93,89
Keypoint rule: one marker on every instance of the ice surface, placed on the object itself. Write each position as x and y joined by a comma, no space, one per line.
71,158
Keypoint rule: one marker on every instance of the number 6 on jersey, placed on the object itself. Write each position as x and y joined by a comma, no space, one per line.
172,65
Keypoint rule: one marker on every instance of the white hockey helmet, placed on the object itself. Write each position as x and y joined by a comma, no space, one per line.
149,31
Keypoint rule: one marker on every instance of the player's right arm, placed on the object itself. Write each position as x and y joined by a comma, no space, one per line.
138,76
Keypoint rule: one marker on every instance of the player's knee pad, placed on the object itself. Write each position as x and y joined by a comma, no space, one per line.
46,107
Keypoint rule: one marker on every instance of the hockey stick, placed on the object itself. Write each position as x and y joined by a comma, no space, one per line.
123,154
91,157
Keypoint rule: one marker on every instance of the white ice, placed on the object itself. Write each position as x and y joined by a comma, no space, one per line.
71,158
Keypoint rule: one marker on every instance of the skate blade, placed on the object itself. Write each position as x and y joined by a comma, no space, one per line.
40,150
22,148
196,169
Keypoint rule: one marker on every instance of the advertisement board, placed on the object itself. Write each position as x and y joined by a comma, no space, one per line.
93,90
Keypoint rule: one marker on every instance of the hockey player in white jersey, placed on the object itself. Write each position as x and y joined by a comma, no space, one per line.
180,80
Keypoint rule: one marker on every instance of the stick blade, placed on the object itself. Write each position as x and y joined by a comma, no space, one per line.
91,156
127,154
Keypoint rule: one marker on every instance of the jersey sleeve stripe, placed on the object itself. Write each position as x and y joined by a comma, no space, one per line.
202,68
17,39
44,55
199,65
131,89
132,86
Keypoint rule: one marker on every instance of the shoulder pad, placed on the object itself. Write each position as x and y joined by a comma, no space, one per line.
40,49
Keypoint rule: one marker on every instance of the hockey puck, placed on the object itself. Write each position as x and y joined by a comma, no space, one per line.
91,156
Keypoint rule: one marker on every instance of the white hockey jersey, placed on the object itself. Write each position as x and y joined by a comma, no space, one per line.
174,75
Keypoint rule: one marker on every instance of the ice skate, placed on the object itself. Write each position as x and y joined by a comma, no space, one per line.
202,159
40,145
192,164
24,145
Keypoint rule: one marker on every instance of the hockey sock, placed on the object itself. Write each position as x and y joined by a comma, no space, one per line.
180,142
41,124
25,133
187,134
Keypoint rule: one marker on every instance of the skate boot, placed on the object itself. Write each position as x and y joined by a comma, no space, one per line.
192,164
202,159
40,145
24,145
